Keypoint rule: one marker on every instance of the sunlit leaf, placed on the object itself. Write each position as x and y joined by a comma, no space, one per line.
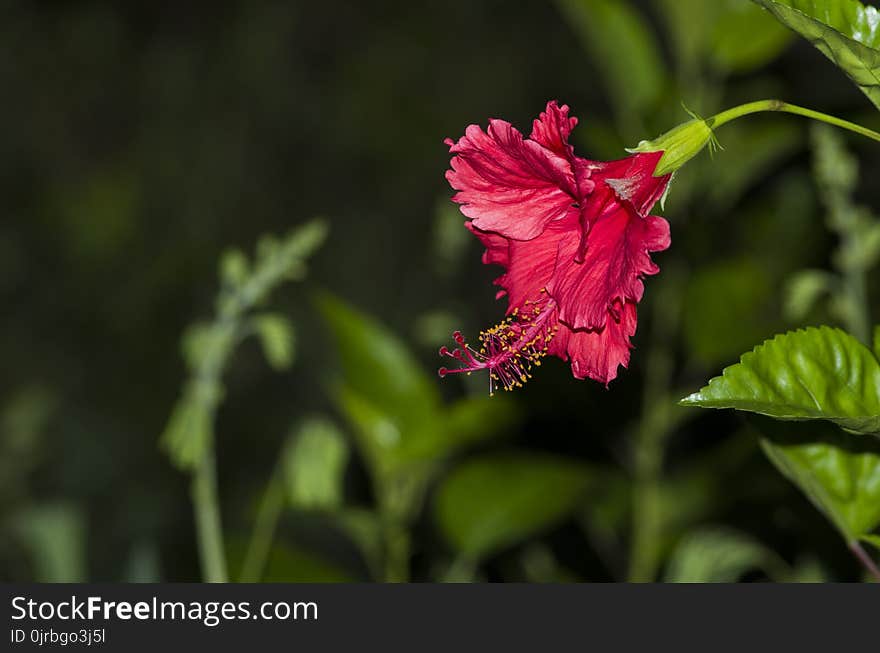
845,31
491,502
720,555
815,373
839,472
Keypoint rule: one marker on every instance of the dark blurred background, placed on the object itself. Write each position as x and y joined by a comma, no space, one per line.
141,140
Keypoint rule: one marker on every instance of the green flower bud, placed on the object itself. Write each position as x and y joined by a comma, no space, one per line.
679,145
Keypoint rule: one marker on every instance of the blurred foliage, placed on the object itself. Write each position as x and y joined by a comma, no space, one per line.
143,141
207,347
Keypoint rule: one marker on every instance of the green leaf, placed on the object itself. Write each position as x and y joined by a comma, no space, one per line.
839,472
288,563
377,366
871,539
364,528
845,31
720,555
634,74
277,339
234,268
314,465
815,373
732,36
742,39
55,536
491,502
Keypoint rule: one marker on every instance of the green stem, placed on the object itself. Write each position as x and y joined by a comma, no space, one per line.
271,507
865,559
784,107
653,432
207,514
646,517
397,553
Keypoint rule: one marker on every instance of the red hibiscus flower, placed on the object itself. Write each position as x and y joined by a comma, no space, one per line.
574,237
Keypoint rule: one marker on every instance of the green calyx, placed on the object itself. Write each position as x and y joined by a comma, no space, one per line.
680,144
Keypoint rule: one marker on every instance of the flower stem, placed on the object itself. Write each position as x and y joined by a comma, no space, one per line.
865,559
271,507
207,514
653,432
784,107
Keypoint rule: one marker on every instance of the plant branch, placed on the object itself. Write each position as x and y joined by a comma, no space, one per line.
271,507
865,559
653,431
784,107
207,514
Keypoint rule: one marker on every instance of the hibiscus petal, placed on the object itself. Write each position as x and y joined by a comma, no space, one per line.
529,264
611,269
632,180
552,129
597,353
507,184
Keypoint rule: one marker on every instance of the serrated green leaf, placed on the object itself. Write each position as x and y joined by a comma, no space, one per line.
491,502
839,472
845,31
720,555
815,373
314,465
634,75
277,339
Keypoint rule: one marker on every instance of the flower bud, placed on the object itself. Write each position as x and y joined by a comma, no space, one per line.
679,145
